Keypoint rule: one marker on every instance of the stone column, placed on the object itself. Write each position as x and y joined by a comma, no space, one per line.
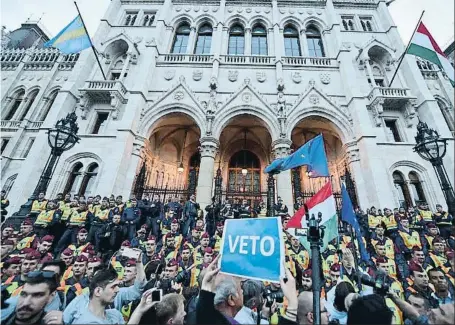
303,43
281,149
247,41
208,148
125,66
191,41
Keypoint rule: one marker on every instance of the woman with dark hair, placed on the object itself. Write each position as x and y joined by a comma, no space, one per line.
336,302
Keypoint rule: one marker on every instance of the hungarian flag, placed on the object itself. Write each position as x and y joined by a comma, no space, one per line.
424,46
324,202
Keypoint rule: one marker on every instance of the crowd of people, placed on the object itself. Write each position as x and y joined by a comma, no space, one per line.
110,260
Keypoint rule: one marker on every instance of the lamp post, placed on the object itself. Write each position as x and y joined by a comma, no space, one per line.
432,148
60,138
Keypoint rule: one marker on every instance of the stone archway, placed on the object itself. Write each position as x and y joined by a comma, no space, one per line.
245,145
305,130
167,162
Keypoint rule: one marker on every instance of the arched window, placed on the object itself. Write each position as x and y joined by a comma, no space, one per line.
88,182
314,41
9,183
181,39
16,102
402,189
236,44
244,183
117,67
416,188
448,114
30,100
259,41
49,104
74,179
291,42
204,40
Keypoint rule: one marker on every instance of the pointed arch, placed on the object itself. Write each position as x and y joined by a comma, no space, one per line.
236,19
205,19
315,21
16,100
8,184
30,99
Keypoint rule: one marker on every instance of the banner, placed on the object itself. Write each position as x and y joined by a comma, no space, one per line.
253,249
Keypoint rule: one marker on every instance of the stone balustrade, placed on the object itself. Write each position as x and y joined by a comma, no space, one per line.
10,125
36,59
186,58
248,59
304,61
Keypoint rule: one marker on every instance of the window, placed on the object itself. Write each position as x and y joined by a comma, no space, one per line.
392,130
204,40
314,41
100,123
181,39
447,112
348,22
259,41
416,188
236,44
88,182
367,24
28,147
117,67
74,179
17,101
240,183
4,144
9,183
149,18
30,100
402,189
49,104
291,42
130,18
378,75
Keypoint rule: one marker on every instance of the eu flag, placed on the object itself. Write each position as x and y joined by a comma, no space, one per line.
72,39
348,215
311,154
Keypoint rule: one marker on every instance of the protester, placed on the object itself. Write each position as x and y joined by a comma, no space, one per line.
415,260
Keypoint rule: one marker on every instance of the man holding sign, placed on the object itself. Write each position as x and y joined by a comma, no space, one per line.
253,249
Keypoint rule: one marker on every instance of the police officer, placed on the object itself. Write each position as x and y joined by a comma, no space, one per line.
244,210
211,217
444,221
280,208
190,213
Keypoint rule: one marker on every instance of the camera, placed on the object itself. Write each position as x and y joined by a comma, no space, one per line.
379,283
271,296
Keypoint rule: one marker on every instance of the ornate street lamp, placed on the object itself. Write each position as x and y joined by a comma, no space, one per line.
432,148
60,138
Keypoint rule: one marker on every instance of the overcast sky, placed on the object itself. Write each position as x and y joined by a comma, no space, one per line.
439,15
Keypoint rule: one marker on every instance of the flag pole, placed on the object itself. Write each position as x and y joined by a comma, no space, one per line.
406,51
93,47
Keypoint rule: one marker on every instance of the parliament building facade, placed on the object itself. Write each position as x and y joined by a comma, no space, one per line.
199,89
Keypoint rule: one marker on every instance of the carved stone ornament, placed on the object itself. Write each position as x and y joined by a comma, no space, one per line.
196,9
282,10
311,83
280,84
233,75
230,9
267,10
346,45
169,74
213,83
291,11
187,9
151,42
197,75
297,77
214,9
178,8
314,99
179,95
261,76
325,78
239,10
247,97
248,10
309,12
206,9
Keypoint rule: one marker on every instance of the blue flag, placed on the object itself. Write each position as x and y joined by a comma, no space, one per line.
72,39
311,154
348,215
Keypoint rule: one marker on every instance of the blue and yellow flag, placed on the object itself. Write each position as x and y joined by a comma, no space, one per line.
72,39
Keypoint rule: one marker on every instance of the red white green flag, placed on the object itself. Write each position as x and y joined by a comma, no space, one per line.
424,46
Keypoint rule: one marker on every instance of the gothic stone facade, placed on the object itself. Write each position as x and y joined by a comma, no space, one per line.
219,76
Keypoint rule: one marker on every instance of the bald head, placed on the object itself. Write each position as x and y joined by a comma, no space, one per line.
305,309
